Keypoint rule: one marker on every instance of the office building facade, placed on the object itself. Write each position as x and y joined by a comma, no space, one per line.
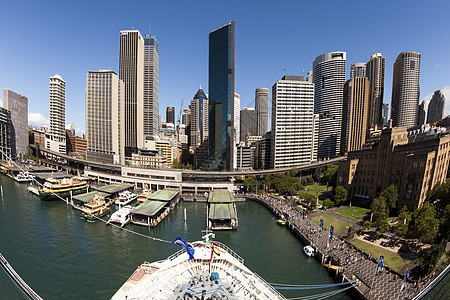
375,73
170,115
105,117
221,97
262,101
422,113
55,140
329,79
436,107
384,114
151,86
357,70
293,122
131,72
18,106
355,114
248,118
199,128
5,134
405,90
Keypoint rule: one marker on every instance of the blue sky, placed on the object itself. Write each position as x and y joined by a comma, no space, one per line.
43,38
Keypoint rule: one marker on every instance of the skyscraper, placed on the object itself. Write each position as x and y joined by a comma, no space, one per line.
293,122
358,70
170,115
262,99
131,72
375,73
422,113
151,85
248,120
199,128
5,134
384,114
329,79
105,117
355,114
56,138
237,118
405,90
436,107
18,106
221,97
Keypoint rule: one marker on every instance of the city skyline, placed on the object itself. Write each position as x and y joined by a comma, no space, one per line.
98,47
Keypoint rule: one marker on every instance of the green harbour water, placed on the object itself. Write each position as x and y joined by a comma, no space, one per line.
61,256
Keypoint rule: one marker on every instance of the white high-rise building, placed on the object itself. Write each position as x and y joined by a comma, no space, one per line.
357,70
294,127
131,71
262,99
105,116
329,79
237,118
55,140
151,86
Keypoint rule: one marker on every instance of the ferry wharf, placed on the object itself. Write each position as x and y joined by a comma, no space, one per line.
353,264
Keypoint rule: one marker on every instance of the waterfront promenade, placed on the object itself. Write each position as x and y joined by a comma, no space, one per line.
355,264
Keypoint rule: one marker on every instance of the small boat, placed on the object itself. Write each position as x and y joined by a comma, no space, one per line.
281,222
122,216
98,207
309,251
125,198
143,197
23,177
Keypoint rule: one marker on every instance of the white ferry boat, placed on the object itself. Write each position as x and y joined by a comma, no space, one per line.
125,198
24,177
122,216
209,270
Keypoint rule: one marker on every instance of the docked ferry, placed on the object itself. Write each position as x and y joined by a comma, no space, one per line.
202,270
98,207
62,187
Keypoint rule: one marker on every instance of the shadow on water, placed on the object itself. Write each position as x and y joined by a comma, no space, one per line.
61,256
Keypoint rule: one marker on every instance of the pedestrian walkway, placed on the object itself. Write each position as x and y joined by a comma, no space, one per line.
356,264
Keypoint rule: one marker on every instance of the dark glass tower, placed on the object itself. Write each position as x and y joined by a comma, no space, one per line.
221,97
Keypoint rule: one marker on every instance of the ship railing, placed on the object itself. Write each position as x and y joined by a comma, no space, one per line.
223,246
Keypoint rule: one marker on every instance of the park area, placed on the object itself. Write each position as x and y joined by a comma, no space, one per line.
338,225
354,213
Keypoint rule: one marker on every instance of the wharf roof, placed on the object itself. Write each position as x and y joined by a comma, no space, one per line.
57,175
163,195
40,169
221,196
87,197
149,208
222,211
113,188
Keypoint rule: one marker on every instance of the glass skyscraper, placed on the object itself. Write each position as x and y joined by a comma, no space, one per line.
221,97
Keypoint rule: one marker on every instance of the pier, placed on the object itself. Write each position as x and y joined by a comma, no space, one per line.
222,214
350,263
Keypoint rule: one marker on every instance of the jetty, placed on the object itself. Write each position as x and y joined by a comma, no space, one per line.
222,214
156,208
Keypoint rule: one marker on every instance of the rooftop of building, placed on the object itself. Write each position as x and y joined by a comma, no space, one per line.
149,208
164,195
114,188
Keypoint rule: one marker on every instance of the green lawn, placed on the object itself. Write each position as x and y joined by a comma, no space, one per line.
391,259
354,212
316,187
337,224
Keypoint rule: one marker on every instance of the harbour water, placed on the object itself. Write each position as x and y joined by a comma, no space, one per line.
61,256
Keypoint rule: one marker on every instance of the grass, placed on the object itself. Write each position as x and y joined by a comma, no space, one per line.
391,259
338,225
354,212
315,187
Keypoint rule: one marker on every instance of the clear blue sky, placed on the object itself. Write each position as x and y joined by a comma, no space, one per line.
43,38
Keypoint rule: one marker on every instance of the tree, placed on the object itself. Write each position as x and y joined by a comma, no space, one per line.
328,203
367,224
404,218
250,184
340,195
426,225
380,214
390,196
328,174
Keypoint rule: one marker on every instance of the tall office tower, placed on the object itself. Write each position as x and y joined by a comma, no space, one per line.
151,85
329,79
186,117
170,115
237,118
375,74
436,107
18,106
422,113
262,109
293,128
5,134
131,72
56,137
358,70
405,90
105,117
384,113
355,114
221,97
199,119
248,122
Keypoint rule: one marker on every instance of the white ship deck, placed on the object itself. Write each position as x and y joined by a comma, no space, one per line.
180,278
